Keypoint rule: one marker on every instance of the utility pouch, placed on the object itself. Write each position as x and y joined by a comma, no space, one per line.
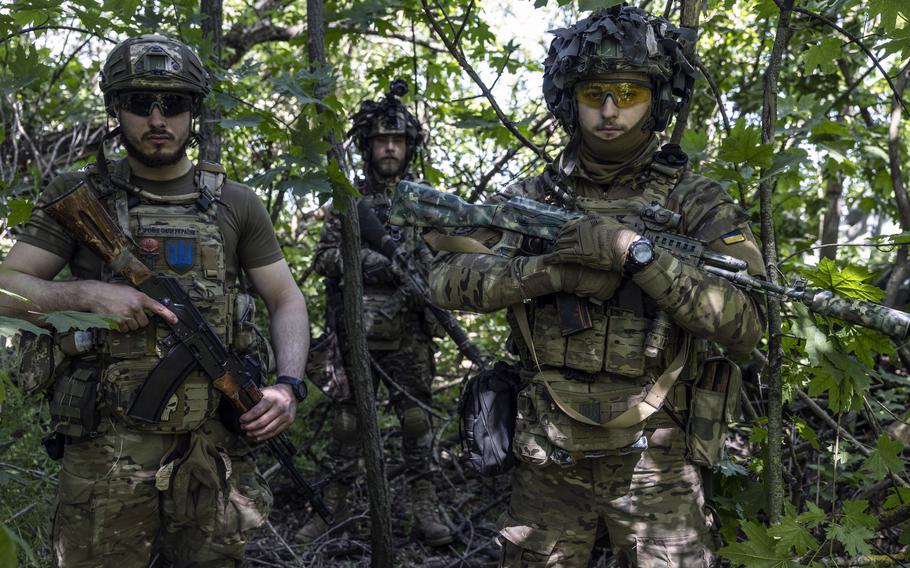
382,332
246,339
54,445
74,404
573,413
531,444
714,403
626,335
549,344
35,362
585,349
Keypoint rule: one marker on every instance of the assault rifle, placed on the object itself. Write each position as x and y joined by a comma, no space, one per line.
417,205
192,343
374,233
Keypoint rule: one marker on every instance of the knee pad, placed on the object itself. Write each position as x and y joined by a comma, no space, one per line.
344,424
415,424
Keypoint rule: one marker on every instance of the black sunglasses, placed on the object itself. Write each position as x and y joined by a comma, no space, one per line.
169,104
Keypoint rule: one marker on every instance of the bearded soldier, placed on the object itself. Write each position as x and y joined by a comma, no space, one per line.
399,330
186,485
617,409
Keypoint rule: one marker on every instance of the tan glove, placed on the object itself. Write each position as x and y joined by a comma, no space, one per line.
595,242
588,282
540,275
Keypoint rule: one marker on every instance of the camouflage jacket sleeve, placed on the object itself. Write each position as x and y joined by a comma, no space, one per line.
706,305
327,261
488,282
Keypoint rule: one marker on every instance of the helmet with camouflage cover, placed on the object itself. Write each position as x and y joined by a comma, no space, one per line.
388,116
152,62
619,39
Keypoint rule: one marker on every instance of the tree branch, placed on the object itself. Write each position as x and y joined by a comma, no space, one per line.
715,90
859,42
24,31
774,479
459,57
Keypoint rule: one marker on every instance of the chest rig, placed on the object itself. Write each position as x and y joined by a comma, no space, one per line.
178,236
385,303
592,390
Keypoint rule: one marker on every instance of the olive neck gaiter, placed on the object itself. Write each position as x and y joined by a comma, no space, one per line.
603,159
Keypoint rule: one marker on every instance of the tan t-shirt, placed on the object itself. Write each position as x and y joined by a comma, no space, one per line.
249,236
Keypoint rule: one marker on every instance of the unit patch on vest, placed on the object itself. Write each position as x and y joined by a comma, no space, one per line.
733,237
166,231
148,246
179,254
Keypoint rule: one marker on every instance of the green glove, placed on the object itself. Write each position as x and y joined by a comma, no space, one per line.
595,242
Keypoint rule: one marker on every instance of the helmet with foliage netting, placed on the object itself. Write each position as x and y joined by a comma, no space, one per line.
152,62
388,116
617,40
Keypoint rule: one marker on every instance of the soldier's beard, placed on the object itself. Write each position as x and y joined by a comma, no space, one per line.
156,160
387,167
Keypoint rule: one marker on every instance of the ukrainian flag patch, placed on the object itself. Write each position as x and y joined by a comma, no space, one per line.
733,237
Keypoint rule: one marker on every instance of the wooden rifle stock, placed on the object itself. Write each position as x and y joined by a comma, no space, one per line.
87,221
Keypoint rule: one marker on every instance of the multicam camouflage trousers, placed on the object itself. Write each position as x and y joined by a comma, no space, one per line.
651,504
411,367
195,497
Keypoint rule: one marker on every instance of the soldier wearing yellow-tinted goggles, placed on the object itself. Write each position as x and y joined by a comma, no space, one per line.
625,93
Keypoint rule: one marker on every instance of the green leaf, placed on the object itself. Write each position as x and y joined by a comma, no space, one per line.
822,55
743,145
241,121
7,549
11,326
758,550
694,143
899,496
849,281
66,320
19,211
888,10
790,535
885,459
813,517
807,433
585,5
855,529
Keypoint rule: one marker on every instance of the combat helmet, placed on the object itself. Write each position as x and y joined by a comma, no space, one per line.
619,39
388,116
153,62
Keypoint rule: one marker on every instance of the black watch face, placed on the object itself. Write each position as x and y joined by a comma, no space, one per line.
300,390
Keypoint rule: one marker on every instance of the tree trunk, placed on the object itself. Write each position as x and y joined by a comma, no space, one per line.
358,365
210,146
901,268
689,11
773,474
834,189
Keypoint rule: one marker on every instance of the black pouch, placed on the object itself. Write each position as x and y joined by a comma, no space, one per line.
74,401
488,409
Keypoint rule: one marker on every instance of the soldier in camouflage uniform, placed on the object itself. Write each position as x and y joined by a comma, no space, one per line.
615,416
187,485
399,330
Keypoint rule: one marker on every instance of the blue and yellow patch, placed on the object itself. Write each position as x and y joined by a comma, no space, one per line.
733,237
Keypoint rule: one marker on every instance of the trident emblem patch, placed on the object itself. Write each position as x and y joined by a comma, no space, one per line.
179,254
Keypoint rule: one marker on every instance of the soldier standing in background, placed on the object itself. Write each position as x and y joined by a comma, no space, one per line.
187,485
399,330
615,416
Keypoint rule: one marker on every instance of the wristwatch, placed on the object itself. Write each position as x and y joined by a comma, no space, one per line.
639,256
297,385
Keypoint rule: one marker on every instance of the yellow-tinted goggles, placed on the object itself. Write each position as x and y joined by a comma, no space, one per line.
625,93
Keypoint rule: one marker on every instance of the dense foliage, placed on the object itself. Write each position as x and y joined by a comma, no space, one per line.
836,164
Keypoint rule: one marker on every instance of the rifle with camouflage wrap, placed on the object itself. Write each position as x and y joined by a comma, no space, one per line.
192,343
421,206
373,232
